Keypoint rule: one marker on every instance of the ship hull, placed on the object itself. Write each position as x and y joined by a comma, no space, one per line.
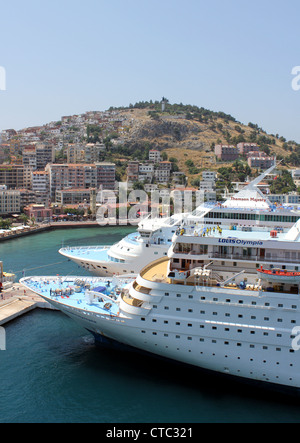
266,357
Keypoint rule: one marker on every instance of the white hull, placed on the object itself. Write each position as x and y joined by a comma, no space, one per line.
107,267
195,329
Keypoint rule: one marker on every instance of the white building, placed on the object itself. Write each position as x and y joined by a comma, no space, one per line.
9,201
154,156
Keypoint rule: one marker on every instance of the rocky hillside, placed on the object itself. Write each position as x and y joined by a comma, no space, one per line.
188,132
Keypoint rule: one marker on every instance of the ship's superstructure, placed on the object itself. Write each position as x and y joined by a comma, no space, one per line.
226,300
249,208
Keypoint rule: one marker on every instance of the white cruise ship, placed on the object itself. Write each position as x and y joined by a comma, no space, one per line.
153,238
224,300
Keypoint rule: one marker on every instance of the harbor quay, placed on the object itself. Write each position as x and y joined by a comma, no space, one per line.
60,225
17,301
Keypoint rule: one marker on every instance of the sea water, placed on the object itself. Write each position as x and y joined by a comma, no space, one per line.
52,372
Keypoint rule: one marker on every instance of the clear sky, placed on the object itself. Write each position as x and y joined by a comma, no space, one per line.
65,57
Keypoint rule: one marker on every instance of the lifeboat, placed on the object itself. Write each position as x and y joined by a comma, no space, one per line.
279,275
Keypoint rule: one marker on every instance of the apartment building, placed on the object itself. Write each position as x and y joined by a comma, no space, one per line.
73,196
38,156
105,176
261,162
245,148
80,176
12,176
133,171
9,201
154,156
226,152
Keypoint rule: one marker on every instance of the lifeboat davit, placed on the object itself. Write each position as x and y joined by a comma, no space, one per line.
279,275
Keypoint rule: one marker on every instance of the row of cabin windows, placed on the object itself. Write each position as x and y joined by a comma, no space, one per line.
228,300
214,328
227,314
226,343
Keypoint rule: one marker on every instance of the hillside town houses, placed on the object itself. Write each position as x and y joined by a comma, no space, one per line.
63,164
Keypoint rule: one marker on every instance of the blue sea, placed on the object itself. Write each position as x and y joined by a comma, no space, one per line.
52,372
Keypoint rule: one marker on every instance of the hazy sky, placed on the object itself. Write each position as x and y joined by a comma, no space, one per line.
71,56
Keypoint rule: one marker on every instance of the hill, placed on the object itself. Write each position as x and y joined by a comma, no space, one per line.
188,132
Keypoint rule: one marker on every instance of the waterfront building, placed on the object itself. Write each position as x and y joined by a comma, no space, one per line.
73,196
9,201
39,212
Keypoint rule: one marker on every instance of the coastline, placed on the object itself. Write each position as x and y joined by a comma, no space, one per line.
59,225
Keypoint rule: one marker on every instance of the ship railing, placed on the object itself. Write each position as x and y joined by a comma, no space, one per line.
81,248
267,258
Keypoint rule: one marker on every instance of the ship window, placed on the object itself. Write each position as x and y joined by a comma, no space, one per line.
202,312
177,323
166,293
190,310
178,295
166,308
154,320
190,325
143,319
166,322
279,320
253,317
266,318
178,309
190,296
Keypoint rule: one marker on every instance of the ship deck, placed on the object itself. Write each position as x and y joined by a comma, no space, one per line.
91,253
156,271
92,294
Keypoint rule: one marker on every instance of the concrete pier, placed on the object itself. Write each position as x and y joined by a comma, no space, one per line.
17,301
